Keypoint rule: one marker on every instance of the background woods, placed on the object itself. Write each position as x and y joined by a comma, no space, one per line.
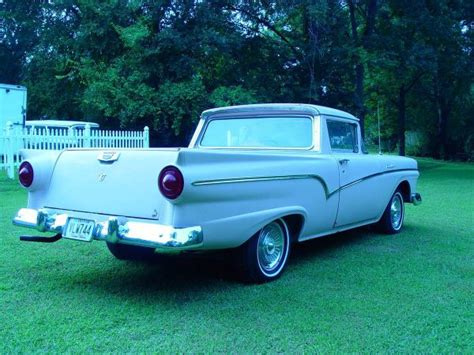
160,63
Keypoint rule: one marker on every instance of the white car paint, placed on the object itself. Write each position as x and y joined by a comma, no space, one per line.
230,193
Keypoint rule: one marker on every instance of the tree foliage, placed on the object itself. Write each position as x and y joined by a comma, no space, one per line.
130,63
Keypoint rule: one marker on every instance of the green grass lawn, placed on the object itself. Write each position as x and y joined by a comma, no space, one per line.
357,291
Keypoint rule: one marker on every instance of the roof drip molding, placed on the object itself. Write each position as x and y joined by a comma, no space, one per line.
260,109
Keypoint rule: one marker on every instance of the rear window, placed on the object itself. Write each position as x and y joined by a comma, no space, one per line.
259,132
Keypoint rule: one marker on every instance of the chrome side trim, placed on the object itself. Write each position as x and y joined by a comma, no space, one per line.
355,182
116,230
263,178
293,177
250,179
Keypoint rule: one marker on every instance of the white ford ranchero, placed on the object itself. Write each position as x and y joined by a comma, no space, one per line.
256,178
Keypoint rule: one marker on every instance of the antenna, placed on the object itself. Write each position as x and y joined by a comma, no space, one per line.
378,119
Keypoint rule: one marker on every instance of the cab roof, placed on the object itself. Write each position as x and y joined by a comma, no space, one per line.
277,108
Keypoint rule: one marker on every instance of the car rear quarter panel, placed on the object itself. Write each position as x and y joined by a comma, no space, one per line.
234,194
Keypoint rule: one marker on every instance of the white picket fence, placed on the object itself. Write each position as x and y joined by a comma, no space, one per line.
14,138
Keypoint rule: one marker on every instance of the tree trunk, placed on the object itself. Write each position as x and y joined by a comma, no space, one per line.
443,116
401,106
401,120
310,40
359,97
361,43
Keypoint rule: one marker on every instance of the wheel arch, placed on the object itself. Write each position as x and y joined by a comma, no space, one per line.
405,189
295,223
241,228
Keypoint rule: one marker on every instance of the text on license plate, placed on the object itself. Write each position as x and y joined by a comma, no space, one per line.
79,229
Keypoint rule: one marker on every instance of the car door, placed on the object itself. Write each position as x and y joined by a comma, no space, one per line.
357,172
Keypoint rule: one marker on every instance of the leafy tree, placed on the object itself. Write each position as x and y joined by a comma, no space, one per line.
451,77
233,95
20,31
402,56
361,43
130,63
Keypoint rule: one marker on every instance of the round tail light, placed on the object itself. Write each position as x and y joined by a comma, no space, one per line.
171,182
26,174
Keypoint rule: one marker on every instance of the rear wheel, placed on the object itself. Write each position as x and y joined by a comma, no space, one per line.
130,252
393,216
265,255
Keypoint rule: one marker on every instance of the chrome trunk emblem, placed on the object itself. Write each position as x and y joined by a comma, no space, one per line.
108,157
101,177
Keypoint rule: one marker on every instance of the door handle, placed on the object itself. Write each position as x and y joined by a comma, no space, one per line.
343,161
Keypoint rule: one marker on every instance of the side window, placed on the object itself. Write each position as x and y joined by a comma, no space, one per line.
343,136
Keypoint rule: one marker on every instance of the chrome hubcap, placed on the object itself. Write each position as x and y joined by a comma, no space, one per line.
270,246
396,211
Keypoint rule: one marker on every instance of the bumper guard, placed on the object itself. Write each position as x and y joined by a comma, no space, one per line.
415,199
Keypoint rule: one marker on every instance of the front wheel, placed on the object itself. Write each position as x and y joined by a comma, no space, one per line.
265,255
393,216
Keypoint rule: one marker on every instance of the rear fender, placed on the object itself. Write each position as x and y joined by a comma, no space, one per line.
232,232
43,165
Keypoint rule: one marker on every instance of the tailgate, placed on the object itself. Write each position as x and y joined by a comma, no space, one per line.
124,187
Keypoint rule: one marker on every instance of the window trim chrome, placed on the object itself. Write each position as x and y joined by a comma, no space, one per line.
260,115
357,133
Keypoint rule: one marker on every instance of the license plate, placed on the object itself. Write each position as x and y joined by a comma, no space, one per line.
79,229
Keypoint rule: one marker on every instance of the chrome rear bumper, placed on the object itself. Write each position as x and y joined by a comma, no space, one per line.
116,230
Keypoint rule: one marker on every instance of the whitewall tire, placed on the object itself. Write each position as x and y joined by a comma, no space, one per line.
265,255
394,215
